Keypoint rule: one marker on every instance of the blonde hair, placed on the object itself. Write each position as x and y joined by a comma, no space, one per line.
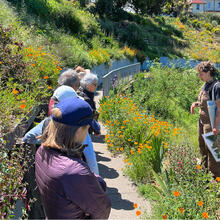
58,135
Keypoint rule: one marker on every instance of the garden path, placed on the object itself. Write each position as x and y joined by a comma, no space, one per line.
121,191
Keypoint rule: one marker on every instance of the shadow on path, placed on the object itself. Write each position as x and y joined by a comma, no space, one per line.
100,139
101,158
106,172
117,202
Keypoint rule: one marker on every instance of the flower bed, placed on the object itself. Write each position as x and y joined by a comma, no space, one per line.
27,78
141,137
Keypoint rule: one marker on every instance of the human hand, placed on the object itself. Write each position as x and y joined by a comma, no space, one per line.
215,131
193,106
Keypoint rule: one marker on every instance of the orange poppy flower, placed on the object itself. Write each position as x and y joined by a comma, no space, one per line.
121,149
181,210
45,77
176,193
164,216
131,151
129,139
22,106
218,179
135,205
205,215
33,64
200,203
15,91
126,160
198,167
138,213
129,164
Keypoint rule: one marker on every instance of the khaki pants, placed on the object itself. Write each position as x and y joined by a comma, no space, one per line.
208,160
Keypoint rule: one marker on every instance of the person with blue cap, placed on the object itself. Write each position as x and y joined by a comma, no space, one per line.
68,188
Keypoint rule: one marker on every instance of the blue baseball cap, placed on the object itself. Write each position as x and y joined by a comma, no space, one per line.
76,112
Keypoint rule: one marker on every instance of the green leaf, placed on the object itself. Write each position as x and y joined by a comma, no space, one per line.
161,183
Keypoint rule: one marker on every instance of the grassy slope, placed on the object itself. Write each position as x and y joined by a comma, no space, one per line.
167,36
71,44
72,33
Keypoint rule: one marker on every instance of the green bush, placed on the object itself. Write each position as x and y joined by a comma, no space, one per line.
193,193
179,88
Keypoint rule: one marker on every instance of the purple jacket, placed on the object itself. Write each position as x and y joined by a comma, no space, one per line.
69,190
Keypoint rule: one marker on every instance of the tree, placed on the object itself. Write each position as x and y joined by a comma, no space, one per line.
177,8
147,6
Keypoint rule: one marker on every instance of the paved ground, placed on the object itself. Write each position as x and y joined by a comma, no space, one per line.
122,192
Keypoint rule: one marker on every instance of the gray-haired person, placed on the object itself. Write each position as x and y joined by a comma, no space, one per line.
68,77
87,89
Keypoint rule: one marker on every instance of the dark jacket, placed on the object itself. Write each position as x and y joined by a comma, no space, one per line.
88,97
69,190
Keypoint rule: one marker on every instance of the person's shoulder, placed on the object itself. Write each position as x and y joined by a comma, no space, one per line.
76,166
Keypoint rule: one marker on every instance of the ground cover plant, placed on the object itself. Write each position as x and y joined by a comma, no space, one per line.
203,38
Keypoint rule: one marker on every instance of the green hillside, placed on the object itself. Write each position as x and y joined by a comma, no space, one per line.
77,36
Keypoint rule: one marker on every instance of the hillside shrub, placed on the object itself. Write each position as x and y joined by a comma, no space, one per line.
167,92
13,165
193,194
27,78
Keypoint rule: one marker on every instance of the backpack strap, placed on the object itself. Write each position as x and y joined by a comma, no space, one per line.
213,98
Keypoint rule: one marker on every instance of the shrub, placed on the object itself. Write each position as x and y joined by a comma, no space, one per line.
142,138
193,194
179,88
129,53
132,35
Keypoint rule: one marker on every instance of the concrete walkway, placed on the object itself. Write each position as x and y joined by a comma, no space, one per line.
121,191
